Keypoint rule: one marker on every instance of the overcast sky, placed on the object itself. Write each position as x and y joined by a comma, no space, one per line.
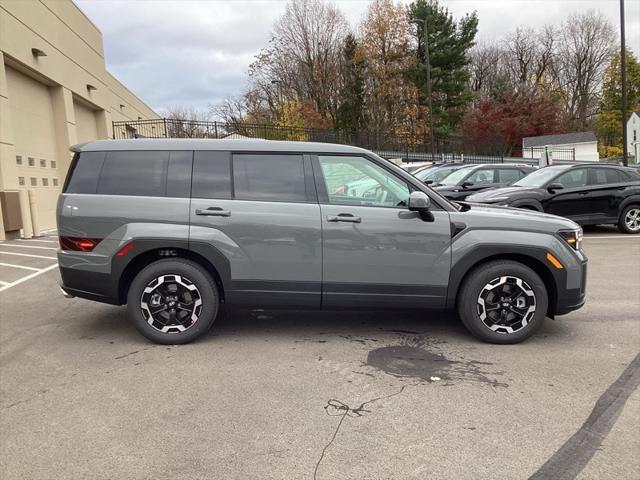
195,53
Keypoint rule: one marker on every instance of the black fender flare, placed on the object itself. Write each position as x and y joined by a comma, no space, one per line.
631,200
532,256
528,202
149,249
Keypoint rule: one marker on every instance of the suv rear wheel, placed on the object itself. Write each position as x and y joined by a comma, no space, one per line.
173,301
503,302
629,221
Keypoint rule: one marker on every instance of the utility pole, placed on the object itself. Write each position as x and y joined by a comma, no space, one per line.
428,66
623,68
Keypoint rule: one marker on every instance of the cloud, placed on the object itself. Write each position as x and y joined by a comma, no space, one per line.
195,53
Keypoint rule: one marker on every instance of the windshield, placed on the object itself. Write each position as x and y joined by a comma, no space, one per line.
455,177
538,178
435,174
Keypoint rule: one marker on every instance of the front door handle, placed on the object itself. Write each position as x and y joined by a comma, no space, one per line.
344,217
213,212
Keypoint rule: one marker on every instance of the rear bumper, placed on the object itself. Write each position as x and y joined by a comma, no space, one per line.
90,285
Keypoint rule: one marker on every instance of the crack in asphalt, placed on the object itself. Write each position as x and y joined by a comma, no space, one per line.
570,459
343,411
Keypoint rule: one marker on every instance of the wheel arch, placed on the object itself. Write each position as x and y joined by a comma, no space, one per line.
632,200
463,268
213,261
528,204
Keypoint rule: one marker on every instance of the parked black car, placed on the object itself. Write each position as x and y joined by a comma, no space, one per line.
475,178
587,194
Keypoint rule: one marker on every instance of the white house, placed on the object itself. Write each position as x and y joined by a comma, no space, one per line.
633,135
579,146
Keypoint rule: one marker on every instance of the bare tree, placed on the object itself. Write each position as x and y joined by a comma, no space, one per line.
585,46
304,57
187,122
488,68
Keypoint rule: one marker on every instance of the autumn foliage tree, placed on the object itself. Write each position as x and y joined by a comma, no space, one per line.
497,125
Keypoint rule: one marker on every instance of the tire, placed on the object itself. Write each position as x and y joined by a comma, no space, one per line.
523,291
629,221
185,298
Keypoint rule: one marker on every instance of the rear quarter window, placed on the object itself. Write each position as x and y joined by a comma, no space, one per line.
139,173
84,172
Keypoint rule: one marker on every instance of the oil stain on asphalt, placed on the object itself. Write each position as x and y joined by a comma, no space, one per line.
414,359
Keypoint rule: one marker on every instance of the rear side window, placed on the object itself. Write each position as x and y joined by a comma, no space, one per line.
141,173
603,176
179,174
509,175
211,174
84,172
274,177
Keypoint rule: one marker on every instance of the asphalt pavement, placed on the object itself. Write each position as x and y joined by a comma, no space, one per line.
319,395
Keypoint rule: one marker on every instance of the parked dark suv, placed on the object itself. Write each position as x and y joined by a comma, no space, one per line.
477,178
176,229
587,194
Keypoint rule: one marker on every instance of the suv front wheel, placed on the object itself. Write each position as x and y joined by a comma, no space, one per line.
173,301
503,302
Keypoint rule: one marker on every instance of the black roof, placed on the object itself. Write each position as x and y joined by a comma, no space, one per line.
559,139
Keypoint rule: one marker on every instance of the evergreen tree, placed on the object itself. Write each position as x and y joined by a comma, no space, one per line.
350,115
449,45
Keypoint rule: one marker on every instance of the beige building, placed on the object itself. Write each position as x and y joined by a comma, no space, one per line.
55,91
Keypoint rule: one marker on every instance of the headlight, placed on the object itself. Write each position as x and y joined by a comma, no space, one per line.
572,237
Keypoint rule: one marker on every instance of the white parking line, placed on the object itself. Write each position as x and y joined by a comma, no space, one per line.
627,237
35,240
28,277
3,283
27,255
11,265
27,246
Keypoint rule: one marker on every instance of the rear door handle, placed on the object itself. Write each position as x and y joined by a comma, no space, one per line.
213,212
344,217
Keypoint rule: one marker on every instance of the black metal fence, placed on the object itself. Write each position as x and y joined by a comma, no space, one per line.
408,147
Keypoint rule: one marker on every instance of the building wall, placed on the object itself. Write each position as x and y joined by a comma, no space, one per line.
633,136
584,152
45,102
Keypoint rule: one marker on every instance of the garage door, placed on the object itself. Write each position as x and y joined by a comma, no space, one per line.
85,122
35,140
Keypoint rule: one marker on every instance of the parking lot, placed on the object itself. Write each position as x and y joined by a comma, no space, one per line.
318,395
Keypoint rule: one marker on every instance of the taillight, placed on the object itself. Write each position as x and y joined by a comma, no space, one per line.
79,244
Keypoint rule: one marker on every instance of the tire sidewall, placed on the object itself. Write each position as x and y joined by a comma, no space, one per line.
622,226
476,281
196,274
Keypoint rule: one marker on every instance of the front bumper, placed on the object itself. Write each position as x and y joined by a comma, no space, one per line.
570,299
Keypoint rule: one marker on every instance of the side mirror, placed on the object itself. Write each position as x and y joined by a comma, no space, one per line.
466,184
428,182
419,202
554,186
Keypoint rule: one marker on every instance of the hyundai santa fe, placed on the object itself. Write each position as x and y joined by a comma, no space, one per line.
179,229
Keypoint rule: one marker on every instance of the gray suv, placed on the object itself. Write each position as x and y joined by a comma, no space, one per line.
179,229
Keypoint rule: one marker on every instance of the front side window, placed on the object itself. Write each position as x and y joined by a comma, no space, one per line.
573,178
359,181
480,176
269,177
142,173
456,177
